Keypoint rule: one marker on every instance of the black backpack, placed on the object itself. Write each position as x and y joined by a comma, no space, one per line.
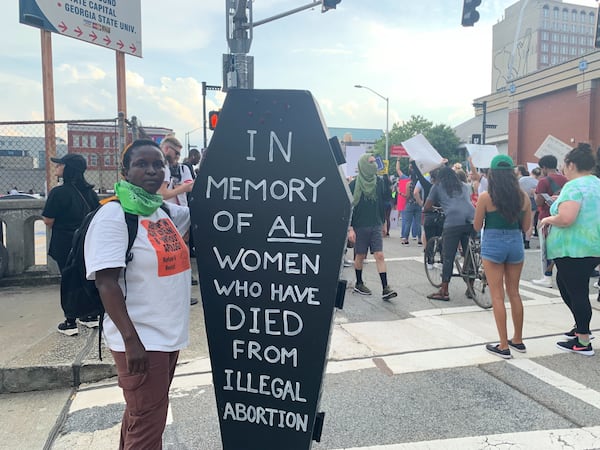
79,297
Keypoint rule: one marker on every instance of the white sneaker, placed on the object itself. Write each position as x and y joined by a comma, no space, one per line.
545,281
596,285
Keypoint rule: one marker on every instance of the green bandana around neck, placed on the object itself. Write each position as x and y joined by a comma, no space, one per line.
366,181
136,200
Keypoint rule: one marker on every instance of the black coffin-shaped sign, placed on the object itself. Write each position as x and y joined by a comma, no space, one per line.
270,212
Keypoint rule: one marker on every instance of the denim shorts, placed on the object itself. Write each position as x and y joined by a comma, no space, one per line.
502,246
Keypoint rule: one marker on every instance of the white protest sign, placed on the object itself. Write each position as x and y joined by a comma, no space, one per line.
481,155
554,147
353,154
531,166
419,149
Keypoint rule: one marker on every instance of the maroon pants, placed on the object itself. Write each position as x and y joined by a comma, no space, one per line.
147,400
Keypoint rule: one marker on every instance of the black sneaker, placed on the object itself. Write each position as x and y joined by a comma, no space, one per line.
194,281
193,301
495,350
388,293
576,347
90,321
68,328
362,289
573,334
518,347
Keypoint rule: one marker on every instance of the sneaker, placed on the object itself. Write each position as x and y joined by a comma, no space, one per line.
573,334
576,347
348,263
388,293
420,244
404,242
193,301
526,245
429,266
518,347
194,281
545,281
362,289
90,321
495,350
70,329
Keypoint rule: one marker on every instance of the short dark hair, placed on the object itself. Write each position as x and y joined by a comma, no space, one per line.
548,162
126,156
523,171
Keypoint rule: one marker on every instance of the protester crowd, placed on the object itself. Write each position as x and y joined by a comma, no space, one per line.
505,206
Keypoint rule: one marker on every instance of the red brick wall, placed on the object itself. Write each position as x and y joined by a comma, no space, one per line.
563,114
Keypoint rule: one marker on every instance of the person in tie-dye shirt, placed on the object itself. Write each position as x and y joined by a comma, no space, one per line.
574,242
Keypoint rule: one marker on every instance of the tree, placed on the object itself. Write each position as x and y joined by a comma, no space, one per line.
441,137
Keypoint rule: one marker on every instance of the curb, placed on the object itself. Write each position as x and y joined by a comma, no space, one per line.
85,368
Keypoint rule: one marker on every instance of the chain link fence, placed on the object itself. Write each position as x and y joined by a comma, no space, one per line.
23,153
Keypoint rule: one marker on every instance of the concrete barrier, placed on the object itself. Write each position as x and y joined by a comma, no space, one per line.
17,251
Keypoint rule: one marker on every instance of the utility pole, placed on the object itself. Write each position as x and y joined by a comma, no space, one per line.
238,66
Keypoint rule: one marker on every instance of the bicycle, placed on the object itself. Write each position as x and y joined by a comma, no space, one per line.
469,268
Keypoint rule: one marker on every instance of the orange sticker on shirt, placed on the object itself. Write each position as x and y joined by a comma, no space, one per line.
171,252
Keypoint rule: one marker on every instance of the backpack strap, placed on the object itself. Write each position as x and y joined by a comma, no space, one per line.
554,185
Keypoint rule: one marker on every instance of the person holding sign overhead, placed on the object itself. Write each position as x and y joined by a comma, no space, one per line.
366,227
145,332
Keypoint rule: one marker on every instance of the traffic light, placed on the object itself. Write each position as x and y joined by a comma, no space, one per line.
329,4
213,119
469,13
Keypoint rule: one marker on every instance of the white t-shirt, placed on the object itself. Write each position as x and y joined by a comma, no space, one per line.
158,277
483,185
185,176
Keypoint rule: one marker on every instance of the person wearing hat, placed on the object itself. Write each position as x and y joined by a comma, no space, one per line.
504,212
65,208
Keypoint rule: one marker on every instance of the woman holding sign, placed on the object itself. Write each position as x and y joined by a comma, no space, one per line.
146,332
573,243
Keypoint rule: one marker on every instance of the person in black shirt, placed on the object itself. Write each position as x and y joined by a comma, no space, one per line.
63,212
366,228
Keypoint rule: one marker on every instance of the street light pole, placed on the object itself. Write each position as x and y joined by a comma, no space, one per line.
387,117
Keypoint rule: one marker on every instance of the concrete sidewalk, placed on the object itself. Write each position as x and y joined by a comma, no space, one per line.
34,356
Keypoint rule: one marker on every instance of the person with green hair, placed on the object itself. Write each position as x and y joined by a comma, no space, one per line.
366,227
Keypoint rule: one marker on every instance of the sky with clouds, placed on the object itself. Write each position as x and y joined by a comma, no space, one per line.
414,52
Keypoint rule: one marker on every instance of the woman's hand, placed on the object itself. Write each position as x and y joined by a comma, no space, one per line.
352,235
137,358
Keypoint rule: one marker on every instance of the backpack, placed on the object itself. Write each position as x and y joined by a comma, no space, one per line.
79,297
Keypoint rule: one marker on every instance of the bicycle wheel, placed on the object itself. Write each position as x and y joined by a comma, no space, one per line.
433,261
474,276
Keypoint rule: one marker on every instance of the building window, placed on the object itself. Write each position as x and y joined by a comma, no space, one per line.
564,50
564,38
545,11
573,51
76,140
93,141
555,13
107,160
565,14
565,27
582,50
592,19
573,39
106,141
93,160
583,17
544,47
554,59
554,37
582,40
85,141
554,48
544,58
544,24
